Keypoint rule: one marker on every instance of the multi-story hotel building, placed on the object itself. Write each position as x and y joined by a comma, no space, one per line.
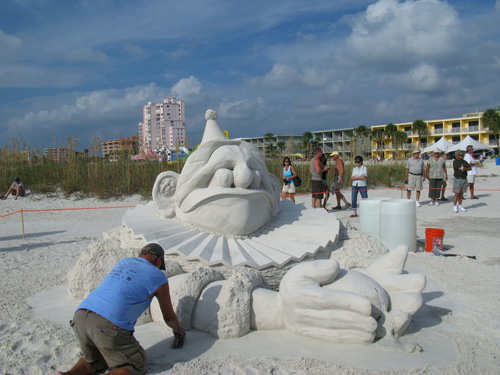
344,141
453,130
163,123
58,154
112,148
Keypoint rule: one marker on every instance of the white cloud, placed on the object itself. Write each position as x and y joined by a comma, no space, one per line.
186,87
18,75
241,109
134,49
92,109
423,78
9,44
404,32
85,55
98,107
175,55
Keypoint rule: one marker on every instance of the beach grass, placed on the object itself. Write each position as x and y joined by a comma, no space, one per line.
84,176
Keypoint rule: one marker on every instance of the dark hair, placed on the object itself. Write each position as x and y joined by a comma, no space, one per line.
469,147
286,158
316,150
323,159
358,158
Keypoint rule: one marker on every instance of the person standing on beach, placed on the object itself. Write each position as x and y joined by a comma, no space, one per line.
415,176
471,174
339,181
326,188
460,168
443,189
289,174
437,173
316,170
104,322
18,187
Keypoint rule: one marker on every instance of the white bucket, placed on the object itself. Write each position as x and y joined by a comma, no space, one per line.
398,223
369,216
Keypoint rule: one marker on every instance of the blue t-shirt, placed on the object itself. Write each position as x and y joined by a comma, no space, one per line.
123,294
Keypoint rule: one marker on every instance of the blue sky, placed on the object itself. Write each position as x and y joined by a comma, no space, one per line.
86,67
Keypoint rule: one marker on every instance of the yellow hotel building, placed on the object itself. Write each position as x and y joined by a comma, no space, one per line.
453,130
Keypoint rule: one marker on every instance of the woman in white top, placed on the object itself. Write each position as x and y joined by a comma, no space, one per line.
358,178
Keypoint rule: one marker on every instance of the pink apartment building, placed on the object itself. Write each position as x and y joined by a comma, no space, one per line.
163,124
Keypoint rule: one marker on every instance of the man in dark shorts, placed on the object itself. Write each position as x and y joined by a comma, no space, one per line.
104,322
316,179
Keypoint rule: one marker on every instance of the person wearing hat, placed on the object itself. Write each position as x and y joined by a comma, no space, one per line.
18,187
437,173
104,322
460,168
415,175
338,182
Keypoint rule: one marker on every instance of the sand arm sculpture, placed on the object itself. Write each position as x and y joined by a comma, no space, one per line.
316,299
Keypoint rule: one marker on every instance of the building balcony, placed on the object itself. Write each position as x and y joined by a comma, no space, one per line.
493,142
473,129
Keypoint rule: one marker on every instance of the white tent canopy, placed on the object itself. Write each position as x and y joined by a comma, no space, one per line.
470,141
442,145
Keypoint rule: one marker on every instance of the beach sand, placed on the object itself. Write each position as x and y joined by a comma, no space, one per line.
458,326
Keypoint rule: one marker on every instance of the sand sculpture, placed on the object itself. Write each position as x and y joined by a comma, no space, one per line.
230,242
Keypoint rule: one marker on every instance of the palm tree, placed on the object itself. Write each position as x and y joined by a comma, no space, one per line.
268,139
306,140
491,120
377,135
400,137
353,140
389,131
362,132
280,145
420,127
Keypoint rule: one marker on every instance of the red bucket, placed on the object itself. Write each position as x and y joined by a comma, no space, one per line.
433,238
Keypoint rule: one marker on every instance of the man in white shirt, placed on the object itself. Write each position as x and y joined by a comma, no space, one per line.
471,175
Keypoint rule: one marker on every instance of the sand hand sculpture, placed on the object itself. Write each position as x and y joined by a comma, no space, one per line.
224,186
316,298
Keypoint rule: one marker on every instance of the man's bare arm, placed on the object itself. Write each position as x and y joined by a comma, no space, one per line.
169,316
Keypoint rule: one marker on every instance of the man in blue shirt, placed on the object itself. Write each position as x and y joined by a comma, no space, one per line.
104,322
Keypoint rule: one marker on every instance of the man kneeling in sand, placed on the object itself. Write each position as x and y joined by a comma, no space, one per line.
104,322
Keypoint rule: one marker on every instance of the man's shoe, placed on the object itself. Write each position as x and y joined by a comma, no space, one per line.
347,205
336,208
455,209
418,203
474,197
461,208
443,199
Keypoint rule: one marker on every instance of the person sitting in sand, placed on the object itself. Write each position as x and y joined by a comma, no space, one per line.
104,322
18,187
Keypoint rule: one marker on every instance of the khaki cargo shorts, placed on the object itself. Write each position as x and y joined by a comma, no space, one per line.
105,345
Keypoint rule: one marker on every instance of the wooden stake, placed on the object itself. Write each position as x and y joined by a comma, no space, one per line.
22,221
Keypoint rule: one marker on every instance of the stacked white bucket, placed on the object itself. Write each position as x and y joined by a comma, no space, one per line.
392,221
